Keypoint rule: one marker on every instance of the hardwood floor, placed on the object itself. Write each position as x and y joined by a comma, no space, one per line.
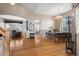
42,48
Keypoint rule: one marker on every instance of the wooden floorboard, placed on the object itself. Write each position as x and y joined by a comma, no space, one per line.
45,47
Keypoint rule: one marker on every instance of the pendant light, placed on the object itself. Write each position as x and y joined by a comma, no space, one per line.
58,17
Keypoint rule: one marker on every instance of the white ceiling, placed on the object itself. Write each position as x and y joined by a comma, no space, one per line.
48,8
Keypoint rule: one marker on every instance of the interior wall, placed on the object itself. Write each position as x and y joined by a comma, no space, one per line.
29,31
77,29
46,25
2,23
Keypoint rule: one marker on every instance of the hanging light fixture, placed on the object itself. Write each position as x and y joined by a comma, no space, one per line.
58,17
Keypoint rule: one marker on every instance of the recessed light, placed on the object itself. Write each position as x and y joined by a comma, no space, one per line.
37,21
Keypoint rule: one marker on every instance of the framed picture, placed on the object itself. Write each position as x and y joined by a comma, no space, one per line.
31,26
27,25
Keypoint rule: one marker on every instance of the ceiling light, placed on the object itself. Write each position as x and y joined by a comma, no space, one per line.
58,17
37,21
12,4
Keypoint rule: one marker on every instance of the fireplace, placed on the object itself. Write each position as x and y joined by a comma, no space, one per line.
32,35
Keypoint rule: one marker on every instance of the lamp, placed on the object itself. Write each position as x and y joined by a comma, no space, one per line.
58,17
57,22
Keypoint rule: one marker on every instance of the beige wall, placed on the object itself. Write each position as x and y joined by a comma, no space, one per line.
77,29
